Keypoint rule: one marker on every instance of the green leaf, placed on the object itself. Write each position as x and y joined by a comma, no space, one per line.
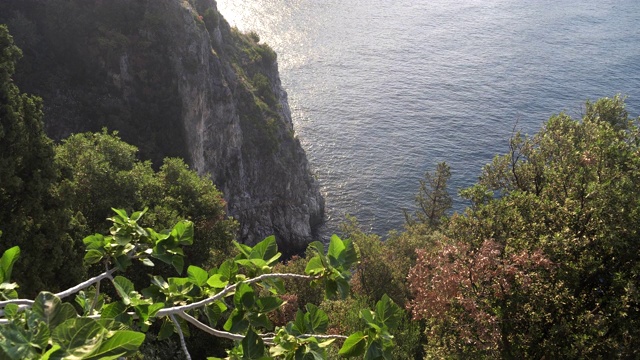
78,337
336,248
16,343
113,310
343,287
254,264
298,326
314,266
228,270
215,281
9,258
124,287
93,256
94,242
183,233
244,296
122,262
268,304
178,263
213,313
138,214
252,346
146,262
355,345
50,309
121,343
197,275
316,320
388,312
374,351
367,316
350,254
244,249
266,250
166,329
54,353
236,323
121,213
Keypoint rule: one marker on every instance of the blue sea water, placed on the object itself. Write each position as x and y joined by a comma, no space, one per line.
382,90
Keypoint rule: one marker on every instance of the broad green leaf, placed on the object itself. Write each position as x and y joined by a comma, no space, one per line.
355,345
268,304
166,329
266,250
53,353
314,266
121,213
256,264
215,281
236,323
252,346
138,214
94,242
93,256
388,312
244,249
316,320
298,326
213,313
197,275
7,260
121,343
146,262
113,310
154,308
122,262
350,253
11,310
228,270
259,320
50,309
367,316
374,351
78,337
178,263
343,287
317,246
124,287
244,296
16,343
183,233
336,248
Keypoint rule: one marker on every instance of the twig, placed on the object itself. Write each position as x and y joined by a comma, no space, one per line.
227,290
209,330
182,342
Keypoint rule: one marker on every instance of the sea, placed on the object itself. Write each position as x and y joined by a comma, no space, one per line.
383,90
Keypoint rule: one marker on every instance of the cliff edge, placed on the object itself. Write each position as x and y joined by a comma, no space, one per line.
176,80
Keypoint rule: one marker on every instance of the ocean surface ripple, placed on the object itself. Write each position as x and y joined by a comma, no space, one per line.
381,91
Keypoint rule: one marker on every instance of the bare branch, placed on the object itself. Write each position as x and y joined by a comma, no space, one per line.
182,342
228,289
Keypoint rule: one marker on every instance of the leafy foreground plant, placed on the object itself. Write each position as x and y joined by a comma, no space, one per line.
238,294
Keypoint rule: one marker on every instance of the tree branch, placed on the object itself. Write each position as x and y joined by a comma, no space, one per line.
182,342
227,290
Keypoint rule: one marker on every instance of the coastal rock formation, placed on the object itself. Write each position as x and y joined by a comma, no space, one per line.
176,80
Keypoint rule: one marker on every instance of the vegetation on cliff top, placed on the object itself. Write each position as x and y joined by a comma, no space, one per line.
544,263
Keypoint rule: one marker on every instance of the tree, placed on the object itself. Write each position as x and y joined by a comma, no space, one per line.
433,199
568,196
99,171
239,293
30,215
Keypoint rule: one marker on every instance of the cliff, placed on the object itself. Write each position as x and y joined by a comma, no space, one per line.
174,79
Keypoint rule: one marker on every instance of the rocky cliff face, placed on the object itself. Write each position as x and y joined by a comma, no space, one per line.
176,80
